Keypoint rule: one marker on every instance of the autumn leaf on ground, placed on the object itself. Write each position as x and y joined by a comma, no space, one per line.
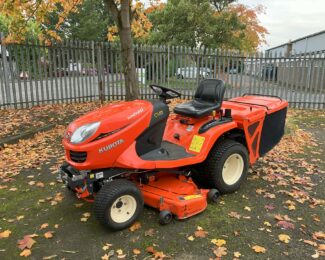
319,235
86,214
259,249
285,224
78,205
135,226
321,247
49,257
284,238
309,242
269,207
218,242
106,246
220,251
83,219
40,184
20,217
234,214
26,242
26,253
136,251
43,226
190,238
150,232
48,234
247,208
200,232
5,234
120,254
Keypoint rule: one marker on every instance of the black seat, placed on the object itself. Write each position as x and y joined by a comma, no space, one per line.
208,97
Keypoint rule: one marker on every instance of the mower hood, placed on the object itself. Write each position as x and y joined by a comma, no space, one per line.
112,118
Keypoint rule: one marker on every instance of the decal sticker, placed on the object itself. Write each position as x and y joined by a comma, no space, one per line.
158,114
190,197
197,143
110,146
136,113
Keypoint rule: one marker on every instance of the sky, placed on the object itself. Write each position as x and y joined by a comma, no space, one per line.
289,19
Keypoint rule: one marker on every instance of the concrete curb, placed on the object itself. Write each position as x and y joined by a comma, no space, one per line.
28,134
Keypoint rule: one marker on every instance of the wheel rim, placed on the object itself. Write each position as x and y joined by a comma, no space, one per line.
123,209
233,169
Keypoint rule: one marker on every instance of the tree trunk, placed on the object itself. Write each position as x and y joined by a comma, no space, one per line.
131,79
123,20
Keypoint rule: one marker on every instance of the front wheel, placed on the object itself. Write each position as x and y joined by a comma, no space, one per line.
225,167
118,204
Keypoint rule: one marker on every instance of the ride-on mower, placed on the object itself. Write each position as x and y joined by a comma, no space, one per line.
128,154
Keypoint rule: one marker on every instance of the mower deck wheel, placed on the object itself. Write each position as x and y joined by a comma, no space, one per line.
118,204
213,195
165,217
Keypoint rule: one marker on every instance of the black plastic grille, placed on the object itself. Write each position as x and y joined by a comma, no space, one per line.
78,157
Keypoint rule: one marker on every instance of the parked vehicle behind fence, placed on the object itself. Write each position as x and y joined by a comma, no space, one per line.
191,72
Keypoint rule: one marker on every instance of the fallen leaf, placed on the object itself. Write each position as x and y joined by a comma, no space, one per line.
200,233
20,217
106,246
259,249
135,226
49,257
319,235
247,208
316,255
268,224
78,205
220,251
285,224
237,254
26,242
40,184
83,219
86,214
218,242
136,251
150,232
48,234
26,253
309,242
105,257
5,234
284,238
56,226
43,226
234,214
190,238
321,247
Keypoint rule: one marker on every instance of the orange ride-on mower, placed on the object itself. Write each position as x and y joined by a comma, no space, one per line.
128,154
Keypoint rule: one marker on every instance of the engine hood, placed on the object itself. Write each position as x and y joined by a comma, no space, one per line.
113,117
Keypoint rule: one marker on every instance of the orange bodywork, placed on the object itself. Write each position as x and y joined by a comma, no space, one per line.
174,193
122,123
132,124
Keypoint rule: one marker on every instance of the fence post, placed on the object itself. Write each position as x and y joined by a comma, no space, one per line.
100,73
6,74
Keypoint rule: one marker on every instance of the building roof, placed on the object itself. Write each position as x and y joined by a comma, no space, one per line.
299,39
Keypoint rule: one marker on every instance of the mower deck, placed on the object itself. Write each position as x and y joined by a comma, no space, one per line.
174,193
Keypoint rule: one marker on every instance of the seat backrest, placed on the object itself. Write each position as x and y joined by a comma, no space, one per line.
210,90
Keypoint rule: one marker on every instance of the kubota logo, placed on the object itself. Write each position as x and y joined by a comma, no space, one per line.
136,113
110,146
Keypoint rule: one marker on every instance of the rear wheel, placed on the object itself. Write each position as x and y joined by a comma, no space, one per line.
225,167
118,204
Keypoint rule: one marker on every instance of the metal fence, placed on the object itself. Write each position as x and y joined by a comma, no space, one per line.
77,71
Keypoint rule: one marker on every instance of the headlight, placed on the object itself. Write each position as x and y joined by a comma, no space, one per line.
84,132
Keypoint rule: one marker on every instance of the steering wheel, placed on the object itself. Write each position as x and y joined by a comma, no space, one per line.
165,93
